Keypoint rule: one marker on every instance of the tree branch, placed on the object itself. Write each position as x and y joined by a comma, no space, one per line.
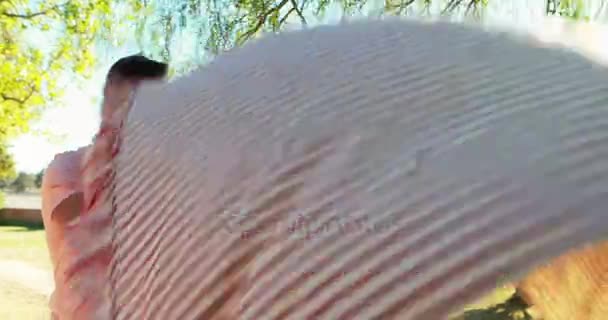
471,6
34,14
452,4
600,9
6,97
397,9
286,16
404,6
261,20
551,8
299,12
22,101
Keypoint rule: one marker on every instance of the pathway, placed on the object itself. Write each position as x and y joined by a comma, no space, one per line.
35,279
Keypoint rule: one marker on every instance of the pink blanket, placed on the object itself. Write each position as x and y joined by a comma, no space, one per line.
375,170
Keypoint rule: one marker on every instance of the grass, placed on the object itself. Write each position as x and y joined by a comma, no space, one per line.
502,304
500,295
28,244
24,243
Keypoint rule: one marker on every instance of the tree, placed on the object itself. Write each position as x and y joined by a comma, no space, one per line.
7,166
220,25
23,182
38,179
41,44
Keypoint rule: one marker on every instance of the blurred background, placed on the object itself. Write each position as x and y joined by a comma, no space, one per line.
54,55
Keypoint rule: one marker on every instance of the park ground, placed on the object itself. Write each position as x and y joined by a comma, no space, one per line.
26,282
25,274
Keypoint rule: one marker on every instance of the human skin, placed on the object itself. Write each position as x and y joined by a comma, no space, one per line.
573,286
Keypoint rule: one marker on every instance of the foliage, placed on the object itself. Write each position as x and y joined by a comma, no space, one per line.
573,9
7,165
42,42
38,179
23,182
217,26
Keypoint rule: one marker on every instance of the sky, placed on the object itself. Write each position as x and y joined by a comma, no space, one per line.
73,123
75,119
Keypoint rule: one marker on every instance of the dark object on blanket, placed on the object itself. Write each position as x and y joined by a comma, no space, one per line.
138,67
125,74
